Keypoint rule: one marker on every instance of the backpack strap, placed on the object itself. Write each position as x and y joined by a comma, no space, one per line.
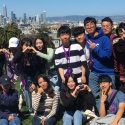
111,100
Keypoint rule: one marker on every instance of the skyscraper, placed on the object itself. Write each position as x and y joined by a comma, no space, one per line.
24,18
44,16
4,11
41,17
12,16
1,20
37,18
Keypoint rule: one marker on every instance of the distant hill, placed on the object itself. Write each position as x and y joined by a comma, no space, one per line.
81,18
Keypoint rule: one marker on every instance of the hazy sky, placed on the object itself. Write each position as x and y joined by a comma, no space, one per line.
64,7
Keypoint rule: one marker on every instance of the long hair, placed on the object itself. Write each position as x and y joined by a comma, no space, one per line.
42,61
67,90
49,89
44,49
30,57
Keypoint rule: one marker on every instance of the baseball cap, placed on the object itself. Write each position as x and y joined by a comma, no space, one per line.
13,42
5,80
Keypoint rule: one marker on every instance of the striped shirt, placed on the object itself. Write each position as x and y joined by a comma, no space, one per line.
77,59
43,103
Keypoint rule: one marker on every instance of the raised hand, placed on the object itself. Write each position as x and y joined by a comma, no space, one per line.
32,48
91,44
103,96
39,90
5,51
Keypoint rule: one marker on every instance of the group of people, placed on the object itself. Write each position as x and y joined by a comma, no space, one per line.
87,73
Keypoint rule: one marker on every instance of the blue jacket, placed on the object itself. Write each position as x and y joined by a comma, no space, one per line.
8,104
101,55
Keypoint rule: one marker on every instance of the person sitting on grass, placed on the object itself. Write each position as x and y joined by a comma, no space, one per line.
112,104
73,97
9,113
44,102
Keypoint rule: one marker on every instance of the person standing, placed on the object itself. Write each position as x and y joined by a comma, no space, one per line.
70,57
101,61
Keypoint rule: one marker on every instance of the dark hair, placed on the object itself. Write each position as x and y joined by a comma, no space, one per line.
120,43
107,19
41,61
77,31
89,19
64,29
104,78
24,41
66,81
50,90
44,49
120,27
30,57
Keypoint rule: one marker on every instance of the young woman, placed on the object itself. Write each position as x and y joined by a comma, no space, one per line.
11,68
76,98
44,102
47,54
27,63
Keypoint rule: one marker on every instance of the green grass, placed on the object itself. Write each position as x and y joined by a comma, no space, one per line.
27,120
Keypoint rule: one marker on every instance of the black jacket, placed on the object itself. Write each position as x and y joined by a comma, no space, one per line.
85,100
8,104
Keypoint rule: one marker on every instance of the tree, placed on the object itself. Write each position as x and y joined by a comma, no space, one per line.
44,33
10,30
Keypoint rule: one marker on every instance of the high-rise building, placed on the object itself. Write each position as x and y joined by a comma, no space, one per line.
12,16
4,11
24,18
44,16
1,20
41,17
4,21
37,18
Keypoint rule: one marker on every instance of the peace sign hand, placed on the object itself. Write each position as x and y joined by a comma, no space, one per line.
91,44
103,96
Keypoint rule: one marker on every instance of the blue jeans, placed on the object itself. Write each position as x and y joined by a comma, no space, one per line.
15,121
27,92
55,79
94,85
37,121
78,117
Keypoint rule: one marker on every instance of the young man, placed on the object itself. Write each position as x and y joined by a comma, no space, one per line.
9,113
101,60
116,107
69,57
79,35
107,27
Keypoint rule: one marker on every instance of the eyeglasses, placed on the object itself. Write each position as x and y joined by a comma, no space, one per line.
106,26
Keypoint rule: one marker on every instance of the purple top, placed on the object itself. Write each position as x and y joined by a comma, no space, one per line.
11,68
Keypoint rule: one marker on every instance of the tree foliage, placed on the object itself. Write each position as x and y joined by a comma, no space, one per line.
44,33
10,30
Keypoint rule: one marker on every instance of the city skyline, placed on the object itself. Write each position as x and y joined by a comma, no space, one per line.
63,8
